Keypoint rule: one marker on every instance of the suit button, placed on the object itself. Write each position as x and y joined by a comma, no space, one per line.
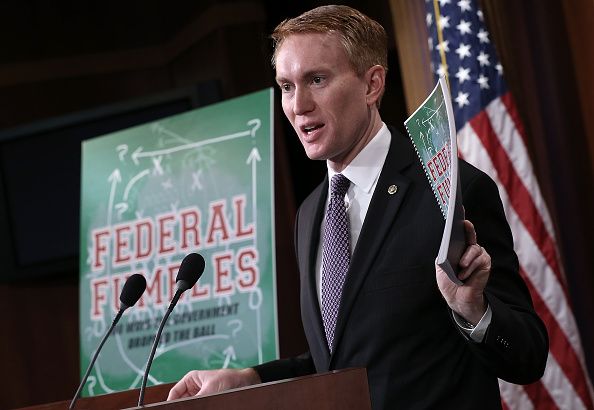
503,342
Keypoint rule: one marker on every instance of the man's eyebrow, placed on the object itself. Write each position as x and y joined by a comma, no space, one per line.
306,75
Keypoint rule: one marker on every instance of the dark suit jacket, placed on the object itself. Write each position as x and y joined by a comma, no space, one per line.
393,319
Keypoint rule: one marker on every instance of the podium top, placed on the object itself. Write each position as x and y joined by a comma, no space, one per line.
342,389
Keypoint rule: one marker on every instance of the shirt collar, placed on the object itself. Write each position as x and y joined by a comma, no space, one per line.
365,168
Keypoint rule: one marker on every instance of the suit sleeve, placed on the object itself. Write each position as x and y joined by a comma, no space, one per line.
301,365
297,366
516,344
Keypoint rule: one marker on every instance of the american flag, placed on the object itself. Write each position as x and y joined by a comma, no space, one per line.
491,137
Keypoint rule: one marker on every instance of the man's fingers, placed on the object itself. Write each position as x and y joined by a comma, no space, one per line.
470,233
205,390
476,259
186,387
203,382
178,391
471,253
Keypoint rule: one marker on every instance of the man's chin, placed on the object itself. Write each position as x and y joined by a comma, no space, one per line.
315,156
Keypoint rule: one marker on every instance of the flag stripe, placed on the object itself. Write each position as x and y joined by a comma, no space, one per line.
521,199
561,388
515,396
511,139
511,109
567,363
538,393
541,281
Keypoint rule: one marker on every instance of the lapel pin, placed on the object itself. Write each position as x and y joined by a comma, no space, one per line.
392,189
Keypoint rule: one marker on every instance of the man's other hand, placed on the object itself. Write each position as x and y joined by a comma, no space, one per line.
203,382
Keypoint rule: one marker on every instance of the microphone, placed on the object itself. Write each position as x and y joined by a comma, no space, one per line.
189,272
133,289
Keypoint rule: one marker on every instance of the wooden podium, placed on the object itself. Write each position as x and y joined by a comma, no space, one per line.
341,389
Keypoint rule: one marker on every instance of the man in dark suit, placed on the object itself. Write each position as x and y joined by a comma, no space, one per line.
367,237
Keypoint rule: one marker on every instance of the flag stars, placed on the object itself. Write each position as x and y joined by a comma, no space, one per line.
463,74
483,36
444,46
472,65
462,99
463,50
444,22
483,59
483,82
464,27
479,13
464,5
442,71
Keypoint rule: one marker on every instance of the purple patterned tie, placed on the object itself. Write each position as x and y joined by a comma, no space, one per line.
336,254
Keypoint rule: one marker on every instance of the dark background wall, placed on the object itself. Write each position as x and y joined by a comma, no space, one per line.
71,70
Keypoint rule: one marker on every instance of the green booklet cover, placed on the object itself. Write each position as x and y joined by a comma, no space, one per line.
433,133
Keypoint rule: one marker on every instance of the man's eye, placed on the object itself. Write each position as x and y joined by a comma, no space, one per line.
317,80
285,87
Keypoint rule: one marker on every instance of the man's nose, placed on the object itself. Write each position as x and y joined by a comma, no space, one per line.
303,101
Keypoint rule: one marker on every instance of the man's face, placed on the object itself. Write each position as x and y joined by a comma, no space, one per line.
323,97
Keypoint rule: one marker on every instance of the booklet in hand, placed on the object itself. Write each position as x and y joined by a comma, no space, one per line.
433,133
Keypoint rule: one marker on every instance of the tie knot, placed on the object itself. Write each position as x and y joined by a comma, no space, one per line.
339,185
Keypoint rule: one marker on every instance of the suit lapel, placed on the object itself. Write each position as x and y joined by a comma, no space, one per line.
312,215
382,211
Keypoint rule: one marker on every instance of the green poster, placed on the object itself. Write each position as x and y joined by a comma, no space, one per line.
202,182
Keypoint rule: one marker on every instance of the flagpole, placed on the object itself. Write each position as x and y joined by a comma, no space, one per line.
440,39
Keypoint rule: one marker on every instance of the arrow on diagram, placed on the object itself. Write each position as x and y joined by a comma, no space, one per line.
229,353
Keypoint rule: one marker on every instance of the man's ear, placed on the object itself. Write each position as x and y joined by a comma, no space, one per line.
376,81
